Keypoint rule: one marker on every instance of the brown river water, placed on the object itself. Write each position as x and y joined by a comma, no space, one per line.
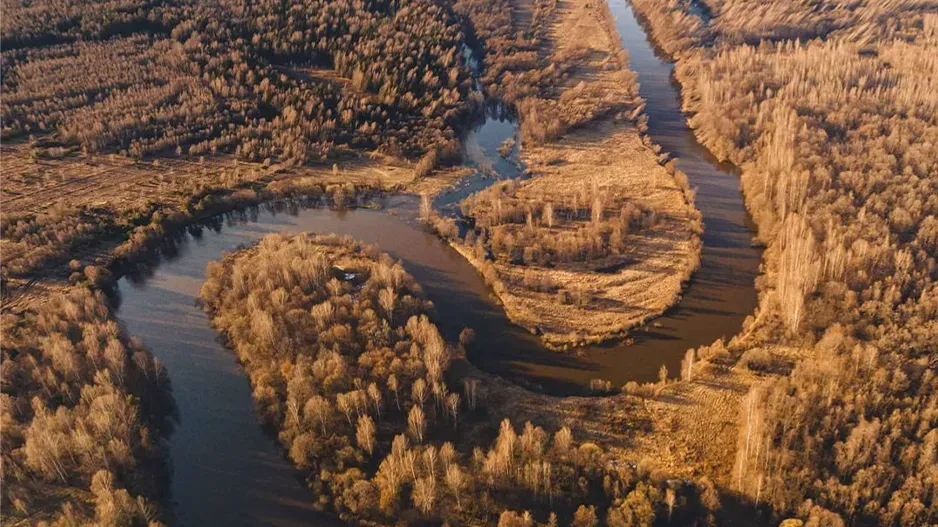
228,471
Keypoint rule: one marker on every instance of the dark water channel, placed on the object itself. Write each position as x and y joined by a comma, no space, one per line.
228,471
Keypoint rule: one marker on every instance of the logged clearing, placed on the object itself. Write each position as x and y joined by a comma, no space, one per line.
602,236
32,183
81,208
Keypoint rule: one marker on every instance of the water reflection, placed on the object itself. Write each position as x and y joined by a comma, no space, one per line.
483,151
228,472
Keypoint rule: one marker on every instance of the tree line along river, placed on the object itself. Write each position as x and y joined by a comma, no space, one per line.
228,471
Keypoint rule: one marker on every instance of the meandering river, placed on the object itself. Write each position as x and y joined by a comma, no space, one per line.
228,471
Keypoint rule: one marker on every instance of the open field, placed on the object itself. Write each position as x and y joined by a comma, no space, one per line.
689,429
108,196
33,185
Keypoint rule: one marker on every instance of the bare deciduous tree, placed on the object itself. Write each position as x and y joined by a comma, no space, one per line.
365,434
452,405
416,423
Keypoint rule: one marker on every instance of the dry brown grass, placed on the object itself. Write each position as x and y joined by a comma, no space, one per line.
609,154
33,184
115,186
689,429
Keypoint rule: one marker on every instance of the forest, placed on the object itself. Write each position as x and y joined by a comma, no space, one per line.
84,409
833,115
347,365
261,80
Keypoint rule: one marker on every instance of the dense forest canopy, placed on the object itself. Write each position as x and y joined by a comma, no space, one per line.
348,367
84,407
831,108
288,81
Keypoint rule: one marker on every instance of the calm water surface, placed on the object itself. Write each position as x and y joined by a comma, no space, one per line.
228,471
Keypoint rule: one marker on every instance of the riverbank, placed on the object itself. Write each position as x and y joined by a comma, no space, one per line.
353,339
603,235
809,101
65,213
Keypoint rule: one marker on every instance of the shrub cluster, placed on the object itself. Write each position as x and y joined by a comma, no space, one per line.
510,225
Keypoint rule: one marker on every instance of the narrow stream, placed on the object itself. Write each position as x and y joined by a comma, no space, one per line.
228,471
